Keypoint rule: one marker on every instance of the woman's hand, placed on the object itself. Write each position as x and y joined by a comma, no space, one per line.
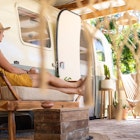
33,71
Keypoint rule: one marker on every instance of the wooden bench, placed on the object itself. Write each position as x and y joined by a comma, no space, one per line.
18,104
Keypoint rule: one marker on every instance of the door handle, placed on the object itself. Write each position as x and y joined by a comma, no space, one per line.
62,65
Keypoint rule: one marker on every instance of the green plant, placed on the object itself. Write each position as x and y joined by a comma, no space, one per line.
106,72
115,100
125,106
67,78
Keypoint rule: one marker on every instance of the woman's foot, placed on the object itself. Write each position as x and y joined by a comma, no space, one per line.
76,83
81,88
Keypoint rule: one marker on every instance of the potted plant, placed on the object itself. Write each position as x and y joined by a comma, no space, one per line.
106,72
125,112
107,83
115,105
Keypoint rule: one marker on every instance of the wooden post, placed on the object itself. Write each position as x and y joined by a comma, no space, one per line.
110,104
102,112
11,125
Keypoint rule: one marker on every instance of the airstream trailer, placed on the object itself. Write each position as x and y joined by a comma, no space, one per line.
64,43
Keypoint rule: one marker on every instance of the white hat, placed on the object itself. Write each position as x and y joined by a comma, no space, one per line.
2,28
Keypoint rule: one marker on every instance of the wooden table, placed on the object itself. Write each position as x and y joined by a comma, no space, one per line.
61,124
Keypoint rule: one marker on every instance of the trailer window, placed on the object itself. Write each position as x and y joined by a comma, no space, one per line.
99,50
29,24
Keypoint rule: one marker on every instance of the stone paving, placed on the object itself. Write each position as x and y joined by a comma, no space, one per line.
116,130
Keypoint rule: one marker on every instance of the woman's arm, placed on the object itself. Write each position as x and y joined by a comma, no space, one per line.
8,67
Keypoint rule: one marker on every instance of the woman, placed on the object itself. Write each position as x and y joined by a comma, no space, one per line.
20,77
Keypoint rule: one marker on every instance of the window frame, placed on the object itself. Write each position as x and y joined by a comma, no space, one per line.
20,31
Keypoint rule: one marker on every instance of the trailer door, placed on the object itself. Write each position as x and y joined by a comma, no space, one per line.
68,45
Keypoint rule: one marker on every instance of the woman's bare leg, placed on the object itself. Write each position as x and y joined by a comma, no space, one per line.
75,90
78,90
55,82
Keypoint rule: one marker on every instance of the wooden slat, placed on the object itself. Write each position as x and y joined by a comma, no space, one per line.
3,105
102,13
31,105
94,13
9,86
73,5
